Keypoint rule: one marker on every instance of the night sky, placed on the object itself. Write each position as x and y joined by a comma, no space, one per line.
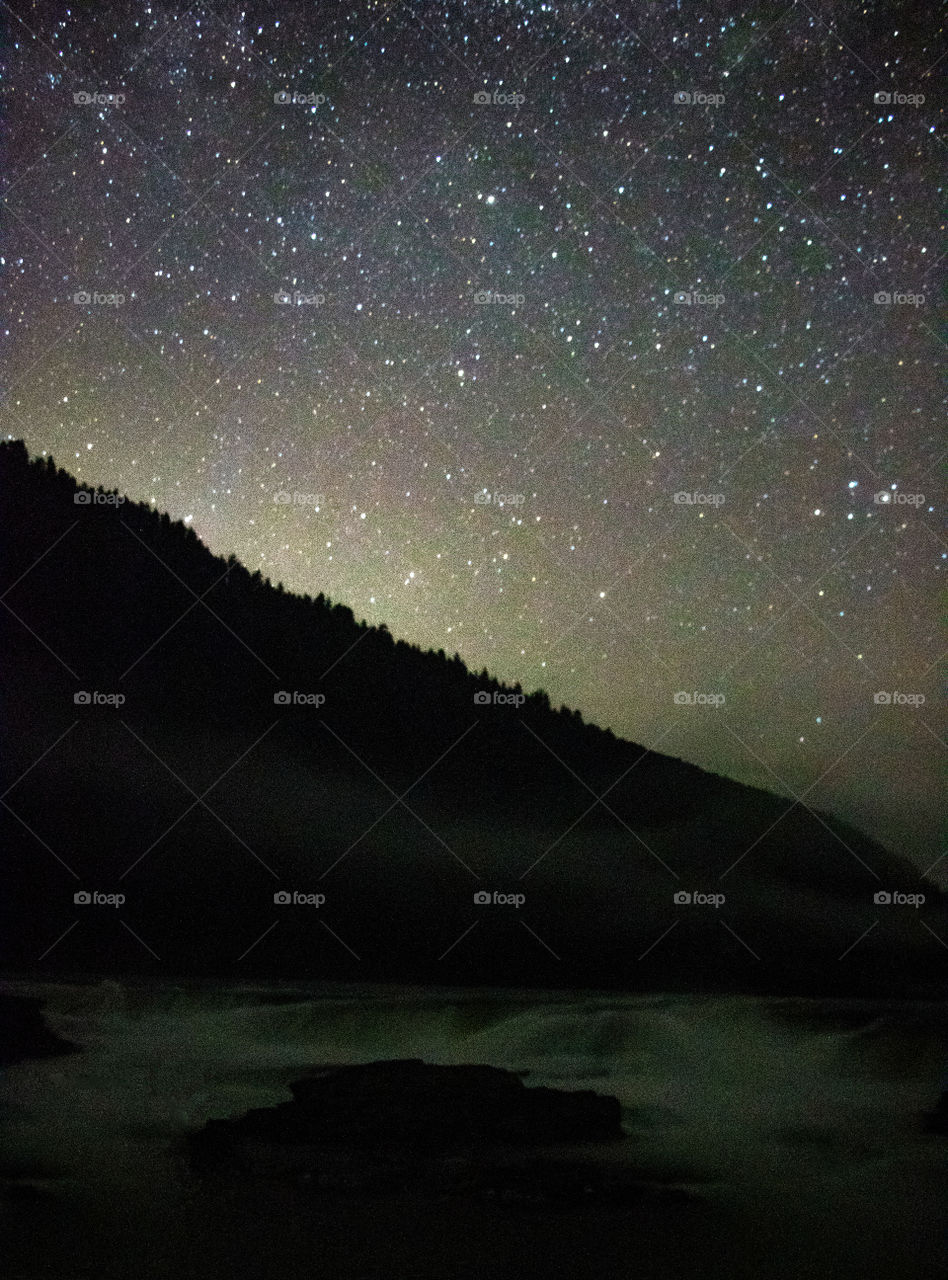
516,329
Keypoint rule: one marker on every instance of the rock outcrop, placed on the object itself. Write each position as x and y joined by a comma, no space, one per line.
407,1125
412,1103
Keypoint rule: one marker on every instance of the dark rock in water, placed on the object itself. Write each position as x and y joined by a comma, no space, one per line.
412,1101
388,1125
438,1132
24,1034
937,1121
414,1104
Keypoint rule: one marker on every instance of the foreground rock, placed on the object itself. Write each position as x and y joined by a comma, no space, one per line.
24,1034
408,1126
411,1103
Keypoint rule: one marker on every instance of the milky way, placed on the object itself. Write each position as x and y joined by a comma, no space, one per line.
579,340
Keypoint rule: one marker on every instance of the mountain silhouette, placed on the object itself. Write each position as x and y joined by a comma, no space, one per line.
188,745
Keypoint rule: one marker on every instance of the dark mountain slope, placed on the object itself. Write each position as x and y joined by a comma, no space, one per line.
106,597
